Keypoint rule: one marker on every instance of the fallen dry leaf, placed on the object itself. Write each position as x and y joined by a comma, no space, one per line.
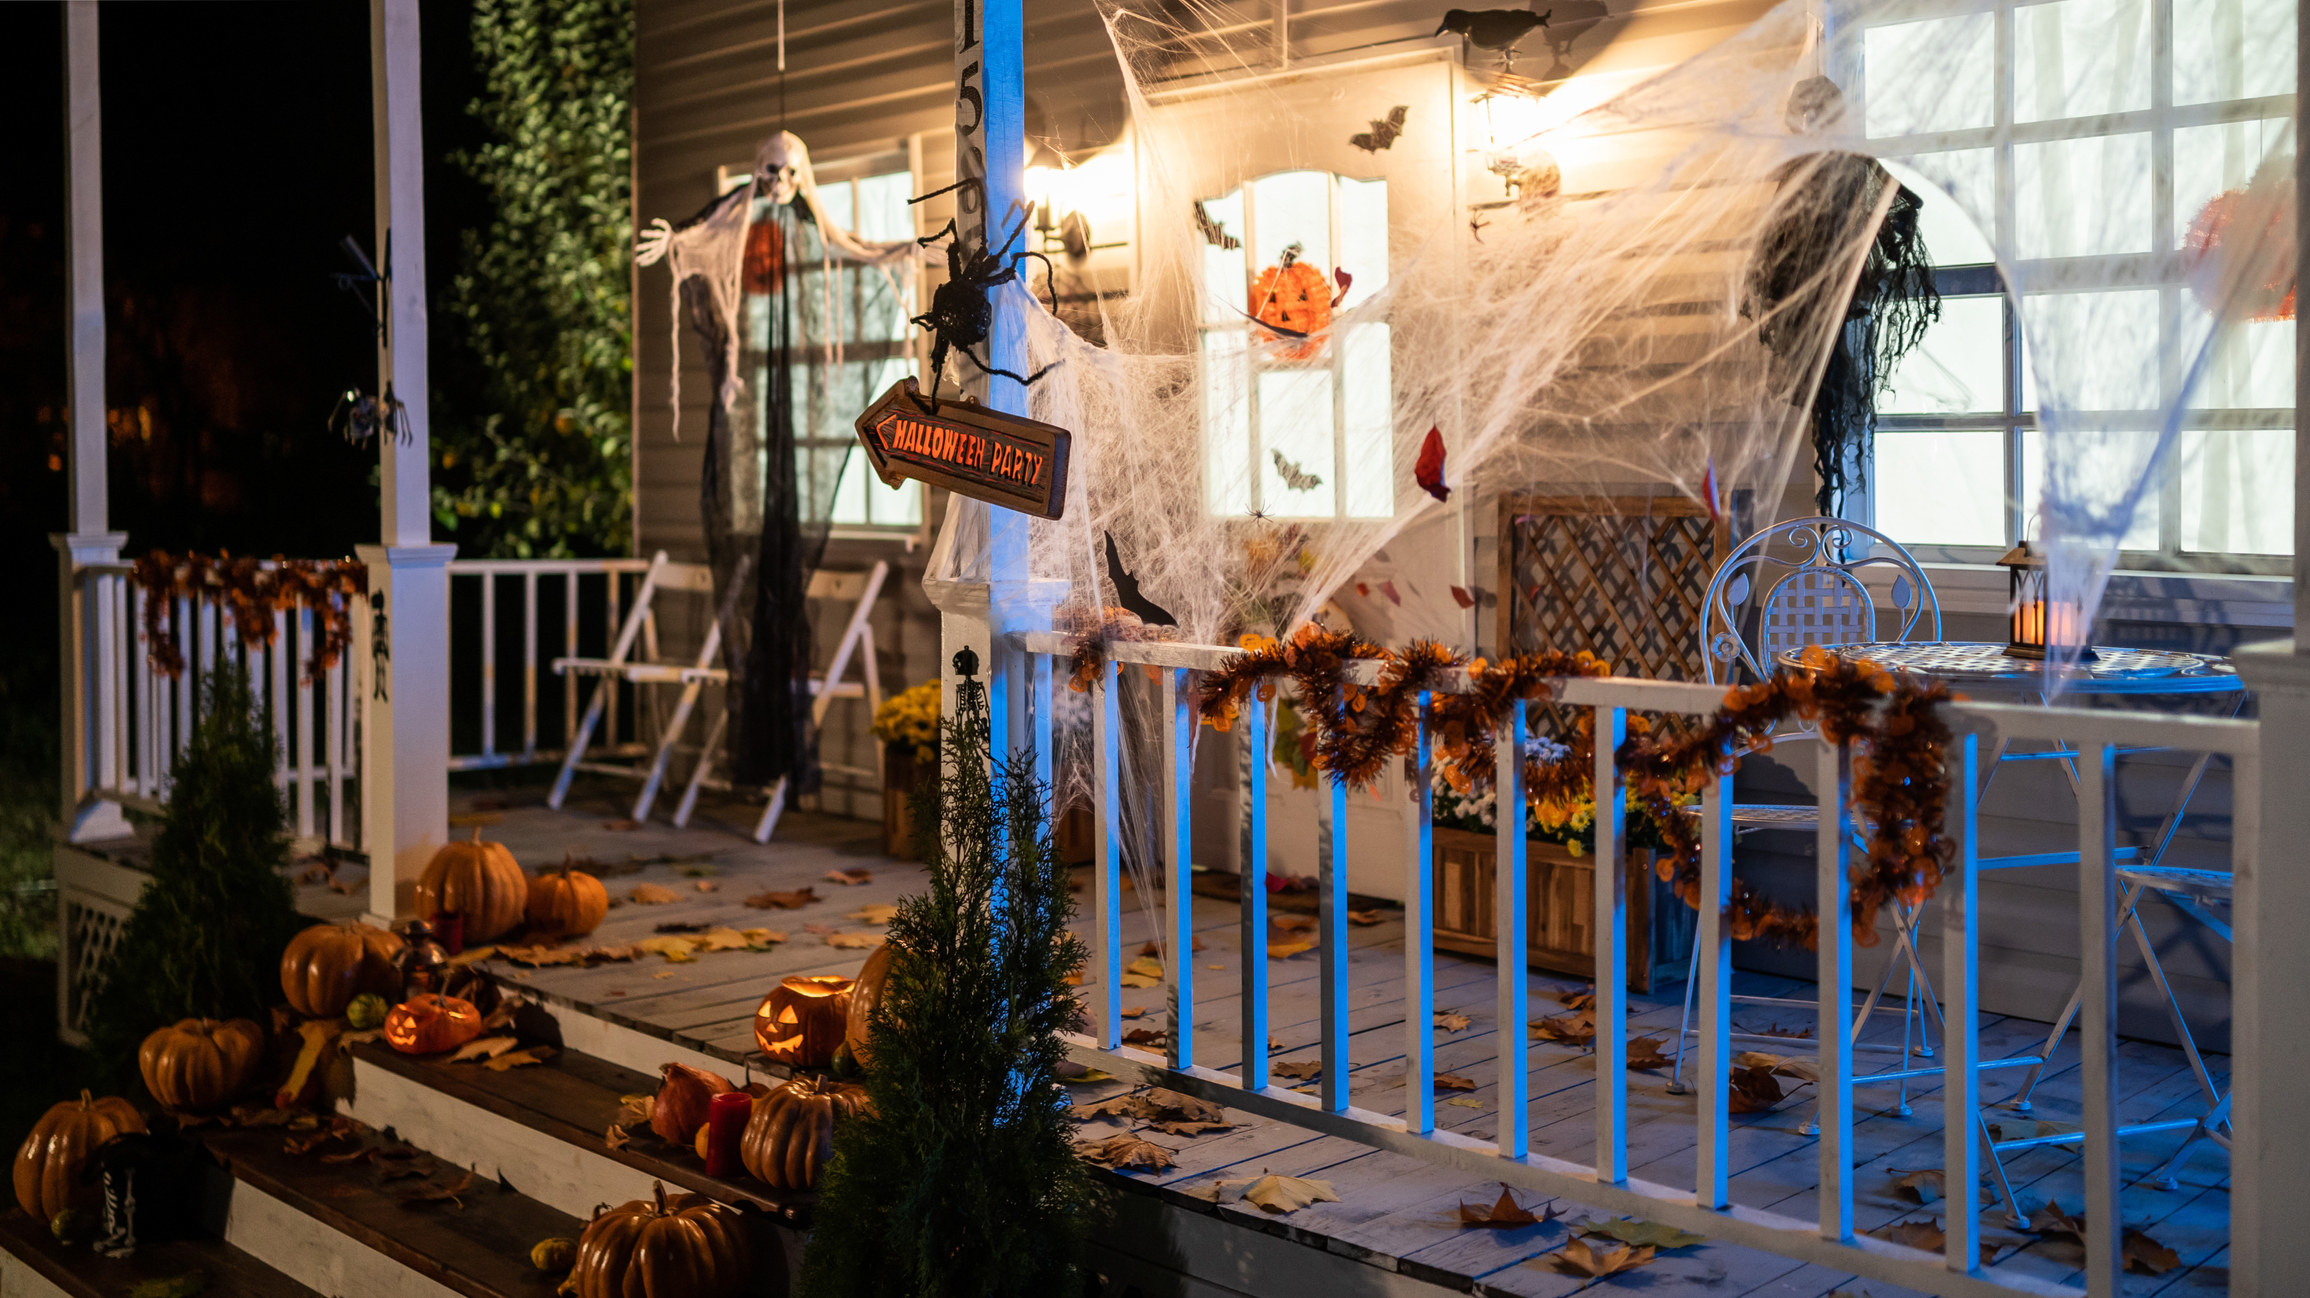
1146,971
723,938
1926,1187
1463,1102
1156,948
677,950
1754,1090
1644,1054
1286,950
615,1137
1579,1257
545,955
850,878
1567,1029
1636,1230
520,1059
1580,998
1291,923
1451,1022
1191,1128
1926,1235
795,900
2051,1220
854,941
2146,1256
1132,1011
1119,1106
1365,918
1284,1193
445,1192
879,913
1128,1151
484,1048
399,1171
1296,1068
621,826
706,885
653,894
1175,1105
1453,1082
1144,1037
1505,1213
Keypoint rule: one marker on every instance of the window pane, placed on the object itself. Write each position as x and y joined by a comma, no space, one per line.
2106,345
1225,282
1941,488
1960,366
2079,58
839,208
2082,198
1953,185
2232,49
1363,237
1226,423
2238,491
882,211
2141,530
1292,207
2252,365
1930,76
1370,420
2211,159
850,495
1295,421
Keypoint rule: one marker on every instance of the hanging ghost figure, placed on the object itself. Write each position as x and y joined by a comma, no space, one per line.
773,286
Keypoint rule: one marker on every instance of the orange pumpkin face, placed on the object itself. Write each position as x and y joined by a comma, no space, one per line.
1295,296
865,995
685,1247
198,1064
49,1162
803,1019
684,1098
566,903
430,1024
327,965
480,881
790,1134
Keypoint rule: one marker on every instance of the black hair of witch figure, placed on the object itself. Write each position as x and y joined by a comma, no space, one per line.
1794,279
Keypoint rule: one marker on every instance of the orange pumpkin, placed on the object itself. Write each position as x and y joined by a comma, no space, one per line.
1295,296
803,1019
49,1162
685,1247
683,1100
865,994
327,965
428,1024
566,902
479,881
790,1134
198,1064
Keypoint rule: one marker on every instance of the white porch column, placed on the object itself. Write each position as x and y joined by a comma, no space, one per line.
405,735
85,819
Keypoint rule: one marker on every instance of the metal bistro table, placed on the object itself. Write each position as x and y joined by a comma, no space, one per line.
1986,668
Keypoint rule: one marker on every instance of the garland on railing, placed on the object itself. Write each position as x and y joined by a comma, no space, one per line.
252,590
1900,783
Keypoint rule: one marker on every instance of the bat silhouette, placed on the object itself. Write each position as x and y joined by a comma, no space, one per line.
1295,477
1384,132
1127,591
1213,232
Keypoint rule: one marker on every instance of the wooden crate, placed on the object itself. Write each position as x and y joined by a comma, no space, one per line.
1560,910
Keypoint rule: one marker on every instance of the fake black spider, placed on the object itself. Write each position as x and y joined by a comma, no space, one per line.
359,417
960,316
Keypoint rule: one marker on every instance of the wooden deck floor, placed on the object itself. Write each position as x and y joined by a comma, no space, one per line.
1394,1211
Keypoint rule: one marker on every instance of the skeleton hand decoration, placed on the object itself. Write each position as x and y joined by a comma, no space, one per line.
651,246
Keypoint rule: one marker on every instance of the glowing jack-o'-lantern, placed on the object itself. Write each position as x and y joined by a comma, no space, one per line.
803,1019
429,1024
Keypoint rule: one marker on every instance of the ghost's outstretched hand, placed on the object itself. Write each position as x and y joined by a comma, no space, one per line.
655,238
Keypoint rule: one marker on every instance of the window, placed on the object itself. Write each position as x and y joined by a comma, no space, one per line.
1297,430
2095,147
858,306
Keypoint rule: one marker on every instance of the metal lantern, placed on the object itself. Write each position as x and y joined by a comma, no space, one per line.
2035,620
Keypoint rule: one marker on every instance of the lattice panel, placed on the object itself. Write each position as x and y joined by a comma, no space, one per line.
1625,579
91,931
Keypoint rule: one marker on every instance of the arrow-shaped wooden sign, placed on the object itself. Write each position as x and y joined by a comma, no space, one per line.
984,454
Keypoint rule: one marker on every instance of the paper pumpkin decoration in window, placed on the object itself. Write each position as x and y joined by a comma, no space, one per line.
1294,299
2225,228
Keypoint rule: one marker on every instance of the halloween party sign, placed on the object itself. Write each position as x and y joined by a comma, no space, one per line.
984,454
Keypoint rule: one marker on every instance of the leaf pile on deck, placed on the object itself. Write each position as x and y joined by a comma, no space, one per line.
965,1179
1900,783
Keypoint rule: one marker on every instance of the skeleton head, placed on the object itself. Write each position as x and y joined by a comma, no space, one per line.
781,167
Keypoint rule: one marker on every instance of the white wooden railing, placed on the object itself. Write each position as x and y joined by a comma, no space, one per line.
130,719
593,594
1706,1206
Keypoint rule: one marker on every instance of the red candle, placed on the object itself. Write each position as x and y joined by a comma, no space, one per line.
449,930
726,1116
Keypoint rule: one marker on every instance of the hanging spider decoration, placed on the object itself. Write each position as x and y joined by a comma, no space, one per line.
960,316
359,417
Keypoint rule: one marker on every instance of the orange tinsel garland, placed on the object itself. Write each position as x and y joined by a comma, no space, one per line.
252,590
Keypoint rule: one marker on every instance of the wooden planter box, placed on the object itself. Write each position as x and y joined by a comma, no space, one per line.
901,776
1560,909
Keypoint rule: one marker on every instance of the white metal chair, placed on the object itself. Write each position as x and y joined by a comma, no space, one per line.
1792,585
859,590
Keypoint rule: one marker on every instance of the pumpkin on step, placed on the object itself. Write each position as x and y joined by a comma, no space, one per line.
324,967
51,1159
688,1246
199,1064
428,1024
865,994
803,1019
566,902
479,881
683,1099
790,1135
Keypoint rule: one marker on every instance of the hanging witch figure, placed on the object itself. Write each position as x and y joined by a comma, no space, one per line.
1820,212
788,303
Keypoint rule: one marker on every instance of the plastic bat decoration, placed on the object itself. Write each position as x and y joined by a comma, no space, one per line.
1428,470
1498,30
1383,133
1295,477
1213,232
1127,591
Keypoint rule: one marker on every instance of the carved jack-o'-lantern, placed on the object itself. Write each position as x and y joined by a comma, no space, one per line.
803,1019
428,1024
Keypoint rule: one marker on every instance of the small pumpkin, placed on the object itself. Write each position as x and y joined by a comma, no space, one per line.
478,881
688,1246
554,1256
683,1099
366,1013
199,1064
428,1024
566,902
327,965
51,1159
865,994
804,1019
790,1134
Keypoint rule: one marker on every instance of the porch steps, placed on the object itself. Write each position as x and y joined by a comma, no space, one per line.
34,1265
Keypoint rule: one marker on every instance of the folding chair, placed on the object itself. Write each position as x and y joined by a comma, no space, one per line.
649,669
860,590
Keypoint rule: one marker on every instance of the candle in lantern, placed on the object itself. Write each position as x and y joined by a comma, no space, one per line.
726,1116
